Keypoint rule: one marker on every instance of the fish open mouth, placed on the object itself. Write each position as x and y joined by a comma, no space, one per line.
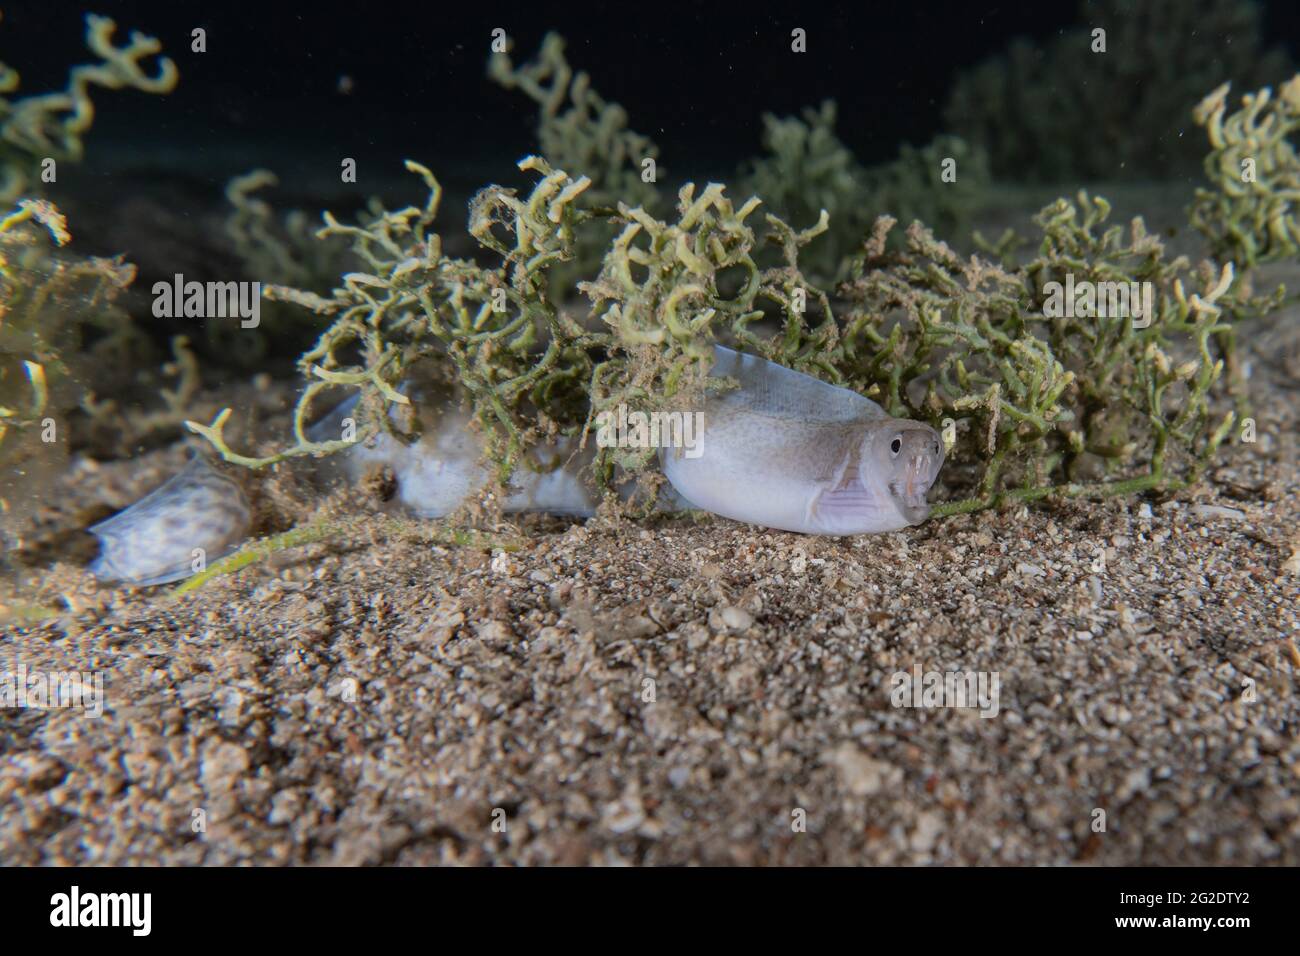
912,497
910,489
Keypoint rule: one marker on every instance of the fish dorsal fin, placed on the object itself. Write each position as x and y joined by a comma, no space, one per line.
771,389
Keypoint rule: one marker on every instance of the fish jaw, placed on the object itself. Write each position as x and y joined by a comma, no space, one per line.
910,493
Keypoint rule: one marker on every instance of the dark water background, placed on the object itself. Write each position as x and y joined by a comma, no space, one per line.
694,77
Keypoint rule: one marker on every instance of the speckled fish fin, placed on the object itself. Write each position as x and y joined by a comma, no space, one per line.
192,519
774,390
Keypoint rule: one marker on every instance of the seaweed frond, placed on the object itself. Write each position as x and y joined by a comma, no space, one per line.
49,299
578,130
806,168
584,134
1089,370
52,126
493,328
1250,215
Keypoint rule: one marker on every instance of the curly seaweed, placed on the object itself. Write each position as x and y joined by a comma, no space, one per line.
1250,214
581,132
806,168
1036,401
53,125
526,367
48,300
578,130
662,296
413,302
276,249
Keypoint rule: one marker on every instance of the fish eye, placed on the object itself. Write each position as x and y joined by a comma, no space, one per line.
896,445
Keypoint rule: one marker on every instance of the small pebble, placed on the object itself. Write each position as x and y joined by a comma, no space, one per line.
1218,511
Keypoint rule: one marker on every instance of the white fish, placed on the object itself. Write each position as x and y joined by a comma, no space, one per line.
788,451
784,450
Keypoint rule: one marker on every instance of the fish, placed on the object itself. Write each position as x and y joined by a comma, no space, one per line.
788,451
783,450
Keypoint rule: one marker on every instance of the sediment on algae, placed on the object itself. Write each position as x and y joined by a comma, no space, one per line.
1249,216
50,298
1032,401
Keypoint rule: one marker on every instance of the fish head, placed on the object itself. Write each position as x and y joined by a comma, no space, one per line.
904,457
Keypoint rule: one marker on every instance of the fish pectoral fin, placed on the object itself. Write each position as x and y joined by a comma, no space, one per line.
844,502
